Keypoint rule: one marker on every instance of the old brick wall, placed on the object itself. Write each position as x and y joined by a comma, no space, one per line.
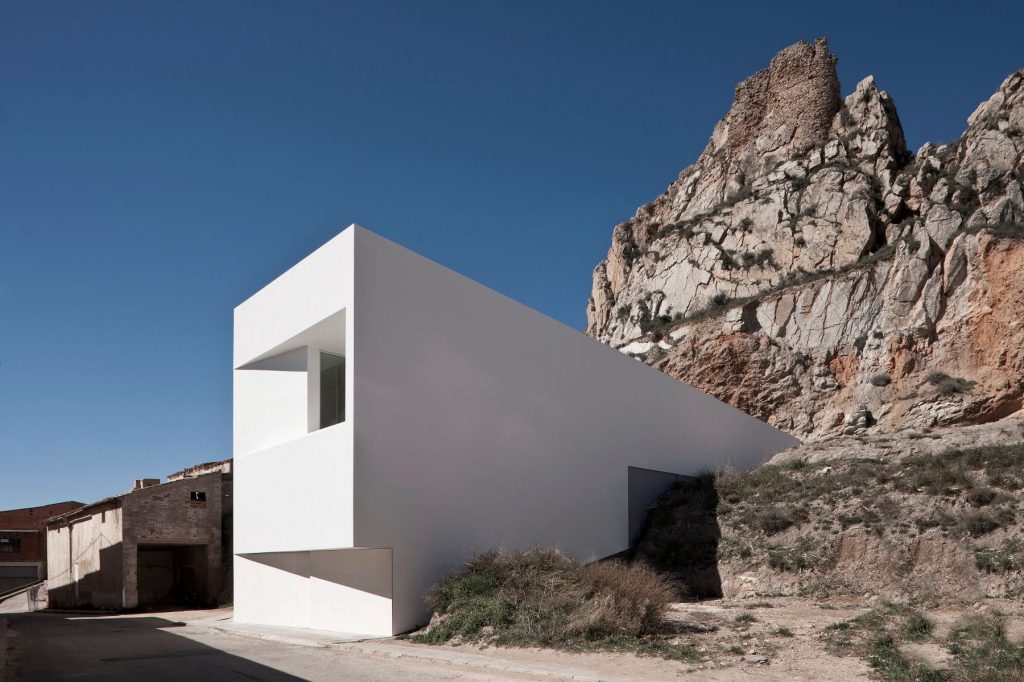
28,547
167,514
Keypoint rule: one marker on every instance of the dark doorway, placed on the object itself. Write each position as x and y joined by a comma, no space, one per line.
646,487
680,536
173,575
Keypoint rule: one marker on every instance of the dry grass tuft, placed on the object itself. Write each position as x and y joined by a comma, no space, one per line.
541,597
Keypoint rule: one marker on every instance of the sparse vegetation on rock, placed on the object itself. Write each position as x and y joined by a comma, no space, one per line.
935,526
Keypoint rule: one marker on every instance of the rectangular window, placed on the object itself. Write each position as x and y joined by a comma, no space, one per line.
332,389
11,545
198,496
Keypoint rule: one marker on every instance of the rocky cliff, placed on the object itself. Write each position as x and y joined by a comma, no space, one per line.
813,272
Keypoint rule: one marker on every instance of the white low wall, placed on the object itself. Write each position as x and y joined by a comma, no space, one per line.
296,496
343,590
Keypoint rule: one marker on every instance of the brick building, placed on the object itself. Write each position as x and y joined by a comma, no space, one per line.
162,544
23,543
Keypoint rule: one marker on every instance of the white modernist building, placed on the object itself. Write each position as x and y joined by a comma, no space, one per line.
391,417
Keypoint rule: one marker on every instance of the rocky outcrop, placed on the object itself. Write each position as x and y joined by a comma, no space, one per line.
926,515
812,272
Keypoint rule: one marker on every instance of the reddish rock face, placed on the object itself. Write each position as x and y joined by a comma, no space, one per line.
811,271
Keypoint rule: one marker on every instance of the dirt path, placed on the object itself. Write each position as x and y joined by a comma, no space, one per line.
726,636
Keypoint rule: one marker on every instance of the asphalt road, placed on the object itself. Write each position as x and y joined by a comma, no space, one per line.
51,647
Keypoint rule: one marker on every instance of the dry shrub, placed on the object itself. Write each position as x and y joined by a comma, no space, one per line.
540,597
629,599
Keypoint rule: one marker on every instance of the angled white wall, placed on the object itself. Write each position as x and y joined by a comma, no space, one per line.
484,423
472,422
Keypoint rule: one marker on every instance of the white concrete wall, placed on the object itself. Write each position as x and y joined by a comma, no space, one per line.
472,422
271,401
292,480
296,496
482,423
309,292
272,589
350,591
346,590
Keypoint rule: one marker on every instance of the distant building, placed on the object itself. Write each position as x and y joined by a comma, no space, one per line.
162,544
392,416
23,543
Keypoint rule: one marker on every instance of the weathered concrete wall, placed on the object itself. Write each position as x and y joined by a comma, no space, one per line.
95,553
86,560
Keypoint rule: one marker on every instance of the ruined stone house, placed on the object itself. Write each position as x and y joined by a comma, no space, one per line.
162,544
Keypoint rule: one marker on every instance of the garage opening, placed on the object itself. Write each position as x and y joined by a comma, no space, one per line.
173,575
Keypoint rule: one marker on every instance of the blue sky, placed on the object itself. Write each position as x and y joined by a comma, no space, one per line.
160,162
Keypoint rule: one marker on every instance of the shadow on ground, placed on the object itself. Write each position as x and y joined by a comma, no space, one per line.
680,537
55,646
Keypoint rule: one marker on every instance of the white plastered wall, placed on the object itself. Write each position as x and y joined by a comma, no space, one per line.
293,480
483,423
472,422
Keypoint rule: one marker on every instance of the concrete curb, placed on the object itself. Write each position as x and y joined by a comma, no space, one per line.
478,661
295,636
387,647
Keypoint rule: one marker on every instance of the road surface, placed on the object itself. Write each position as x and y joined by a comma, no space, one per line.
52,646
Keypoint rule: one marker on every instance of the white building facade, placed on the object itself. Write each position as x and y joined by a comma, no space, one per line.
392,417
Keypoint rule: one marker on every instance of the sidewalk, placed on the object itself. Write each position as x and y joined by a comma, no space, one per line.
295,636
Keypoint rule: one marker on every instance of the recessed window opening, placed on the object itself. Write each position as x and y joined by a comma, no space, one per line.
198,496
332,389
11,545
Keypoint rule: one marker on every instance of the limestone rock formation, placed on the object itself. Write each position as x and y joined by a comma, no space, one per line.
811,271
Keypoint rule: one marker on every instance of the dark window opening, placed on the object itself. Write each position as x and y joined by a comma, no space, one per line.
198,496
332,389
10,545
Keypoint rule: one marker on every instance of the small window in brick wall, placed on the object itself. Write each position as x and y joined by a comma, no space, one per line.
198,496
11,545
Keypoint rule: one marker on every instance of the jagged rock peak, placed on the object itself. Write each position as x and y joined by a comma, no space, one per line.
788,105
808,270
792,180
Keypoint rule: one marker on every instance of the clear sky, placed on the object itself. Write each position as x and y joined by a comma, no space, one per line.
160,162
